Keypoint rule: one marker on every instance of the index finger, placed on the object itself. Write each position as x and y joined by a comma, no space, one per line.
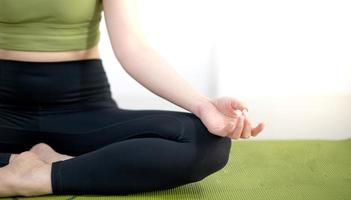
235,103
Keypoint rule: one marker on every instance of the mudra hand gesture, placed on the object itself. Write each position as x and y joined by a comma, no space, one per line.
228,117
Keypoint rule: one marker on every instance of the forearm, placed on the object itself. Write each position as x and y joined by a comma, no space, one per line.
152,71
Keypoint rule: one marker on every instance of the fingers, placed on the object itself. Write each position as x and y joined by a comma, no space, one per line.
243,128
239,128
257,129
237,113
247,126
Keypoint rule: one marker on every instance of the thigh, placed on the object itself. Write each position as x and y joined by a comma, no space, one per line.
80,132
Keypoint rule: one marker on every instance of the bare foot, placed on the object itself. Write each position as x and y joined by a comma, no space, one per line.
48,154
25,175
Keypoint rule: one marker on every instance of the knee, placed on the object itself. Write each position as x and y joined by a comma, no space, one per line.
211,159
211,152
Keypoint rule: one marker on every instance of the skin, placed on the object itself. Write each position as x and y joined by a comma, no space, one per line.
28,173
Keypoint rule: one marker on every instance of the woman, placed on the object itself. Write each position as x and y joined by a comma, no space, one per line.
62,133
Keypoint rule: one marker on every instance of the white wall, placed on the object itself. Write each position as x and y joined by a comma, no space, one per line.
289,60
180,34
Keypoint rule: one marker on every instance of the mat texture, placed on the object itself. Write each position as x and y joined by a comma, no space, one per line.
276,169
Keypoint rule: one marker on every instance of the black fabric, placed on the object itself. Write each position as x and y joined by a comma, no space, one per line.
69,106
4,159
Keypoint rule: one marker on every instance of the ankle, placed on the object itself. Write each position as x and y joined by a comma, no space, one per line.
45,175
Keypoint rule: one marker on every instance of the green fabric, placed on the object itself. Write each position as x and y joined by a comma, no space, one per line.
299,169
49,25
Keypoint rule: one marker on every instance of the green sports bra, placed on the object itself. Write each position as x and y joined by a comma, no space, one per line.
49,25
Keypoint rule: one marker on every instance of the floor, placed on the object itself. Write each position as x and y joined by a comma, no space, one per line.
266,169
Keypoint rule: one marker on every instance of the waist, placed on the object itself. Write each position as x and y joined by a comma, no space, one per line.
46,56
41,85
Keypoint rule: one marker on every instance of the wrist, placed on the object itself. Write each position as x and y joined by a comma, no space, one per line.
202,104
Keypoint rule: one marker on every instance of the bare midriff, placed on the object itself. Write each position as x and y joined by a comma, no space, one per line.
42,56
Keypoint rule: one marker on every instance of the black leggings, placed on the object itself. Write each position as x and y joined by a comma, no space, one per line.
68,105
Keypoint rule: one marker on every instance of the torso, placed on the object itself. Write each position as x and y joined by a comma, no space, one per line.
36,19
49,56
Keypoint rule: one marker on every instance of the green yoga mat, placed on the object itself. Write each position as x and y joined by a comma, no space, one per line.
275,169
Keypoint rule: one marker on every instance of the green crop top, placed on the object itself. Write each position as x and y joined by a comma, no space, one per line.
49,25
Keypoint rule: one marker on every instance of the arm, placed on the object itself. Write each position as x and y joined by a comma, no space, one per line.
141,62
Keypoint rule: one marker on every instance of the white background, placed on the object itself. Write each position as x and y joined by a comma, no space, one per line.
289,60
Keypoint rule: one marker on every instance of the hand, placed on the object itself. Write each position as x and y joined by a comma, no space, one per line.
228,117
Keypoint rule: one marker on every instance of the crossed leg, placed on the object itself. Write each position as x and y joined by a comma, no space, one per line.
143,150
